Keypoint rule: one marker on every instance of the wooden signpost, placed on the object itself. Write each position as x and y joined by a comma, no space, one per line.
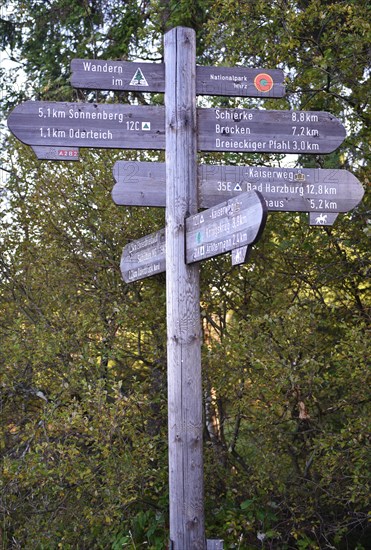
284,189
239,81
143,127
139,183
185,412
95,74
57,130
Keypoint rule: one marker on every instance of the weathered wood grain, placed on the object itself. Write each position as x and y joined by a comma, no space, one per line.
187,529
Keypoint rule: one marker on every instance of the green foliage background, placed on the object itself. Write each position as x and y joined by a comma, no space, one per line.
286,336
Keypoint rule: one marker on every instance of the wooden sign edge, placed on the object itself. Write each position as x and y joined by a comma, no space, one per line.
264,215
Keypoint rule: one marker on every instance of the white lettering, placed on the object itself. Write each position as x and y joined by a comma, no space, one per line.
102,67
231,130
76,133
237,114
75,113
243,144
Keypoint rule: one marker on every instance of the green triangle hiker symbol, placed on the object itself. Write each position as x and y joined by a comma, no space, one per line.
138,79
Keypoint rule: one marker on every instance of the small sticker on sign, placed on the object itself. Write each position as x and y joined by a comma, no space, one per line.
138,79
263,82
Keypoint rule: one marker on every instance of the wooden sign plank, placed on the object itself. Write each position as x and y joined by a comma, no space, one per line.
254,131
284,189
88,125
139,183
143,257
95,74
240,81
232,224
56,153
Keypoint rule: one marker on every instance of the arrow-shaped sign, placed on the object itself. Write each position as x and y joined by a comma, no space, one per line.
225,227
88,125
257,131
284,189
143,257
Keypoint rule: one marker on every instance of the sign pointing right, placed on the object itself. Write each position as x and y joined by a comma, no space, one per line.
233,224
257,131
284,189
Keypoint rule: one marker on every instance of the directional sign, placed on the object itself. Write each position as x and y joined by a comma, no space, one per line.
232,224
239,81
284,189
258,131
56,153
94,74
143,257
88,125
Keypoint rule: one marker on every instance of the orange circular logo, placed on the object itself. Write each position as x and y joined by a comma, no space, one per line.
263,82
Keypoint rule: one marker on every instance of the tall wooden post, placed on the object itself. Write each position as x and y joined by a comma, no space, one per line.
187,525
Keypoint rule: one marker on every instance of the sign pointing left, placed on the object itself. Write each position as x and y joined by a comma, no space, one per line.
88,125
